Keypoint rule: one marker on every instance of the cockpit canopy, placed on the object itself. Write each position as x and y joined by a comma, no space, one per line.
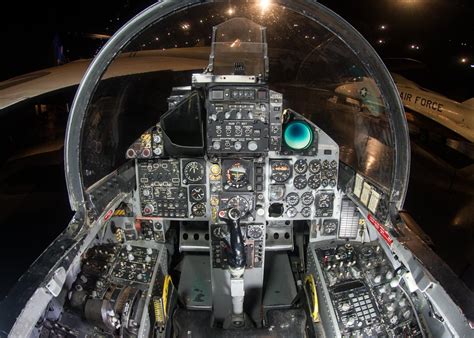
308,53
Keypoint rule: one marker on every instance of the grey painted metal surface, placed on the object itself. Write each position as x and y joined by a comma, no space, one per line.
195,282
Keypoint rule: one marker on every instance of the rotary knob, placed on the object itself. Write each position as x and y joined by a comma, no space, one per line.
238,146
157,151
148,209
216,145
252,146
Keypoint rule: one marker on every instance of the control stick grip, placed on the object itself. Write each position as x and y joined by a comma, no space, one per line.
236,258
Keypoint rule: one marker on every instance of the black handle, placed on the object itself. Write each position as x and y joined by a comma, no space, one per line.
236,257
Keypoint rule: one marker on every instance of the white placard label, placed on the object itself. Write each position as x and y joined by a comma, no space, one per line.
374,201
358,185
364,197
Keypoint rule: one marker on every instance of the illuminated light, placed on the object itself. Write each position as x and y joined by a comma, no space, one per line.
236,43
463,60
230,11
472,66
298,135
383,27
409,2
264,4
185,26
380,41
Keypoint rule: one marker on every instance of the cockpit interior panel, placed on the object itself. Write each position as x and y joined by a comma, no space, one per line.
240,211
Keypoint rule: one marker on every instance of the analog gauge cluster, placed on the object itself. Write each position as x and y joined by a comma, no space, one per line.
300,206
197,199
295,183
194,175
315,174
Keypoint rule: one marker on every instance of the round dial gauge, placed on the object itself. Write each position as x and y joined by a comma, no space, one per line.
325,183
198,210
300,182
236,175
291,212
333,164
292,199
281,171
254,232
240,203
331,173
314,182
332,183
194,171
301,166
315,166
307,198
324,201
197,194
329,227
277,191
306,212
325,164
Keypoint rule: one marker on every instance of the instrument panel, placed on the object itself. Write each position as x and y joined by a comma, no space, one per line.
363,291
268,163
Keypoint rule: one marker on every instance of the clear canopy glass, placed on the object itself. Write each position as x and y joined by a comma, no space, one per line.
324,68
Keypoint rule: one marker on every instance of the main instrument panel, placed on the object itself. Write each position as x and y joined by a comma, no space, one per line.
270,163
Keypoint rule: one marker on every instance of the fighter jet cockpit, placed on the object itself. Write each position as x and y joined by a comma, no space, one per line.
224,188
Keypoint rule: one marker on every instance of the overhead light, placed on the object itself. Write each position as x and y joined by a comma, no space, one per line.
264,4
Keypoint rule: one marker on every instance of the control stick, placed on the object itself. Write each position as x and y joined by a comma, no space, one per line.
236,259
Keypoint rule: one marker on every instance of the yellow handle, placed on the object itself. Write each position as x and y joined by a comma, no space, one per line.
315,310
166,284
